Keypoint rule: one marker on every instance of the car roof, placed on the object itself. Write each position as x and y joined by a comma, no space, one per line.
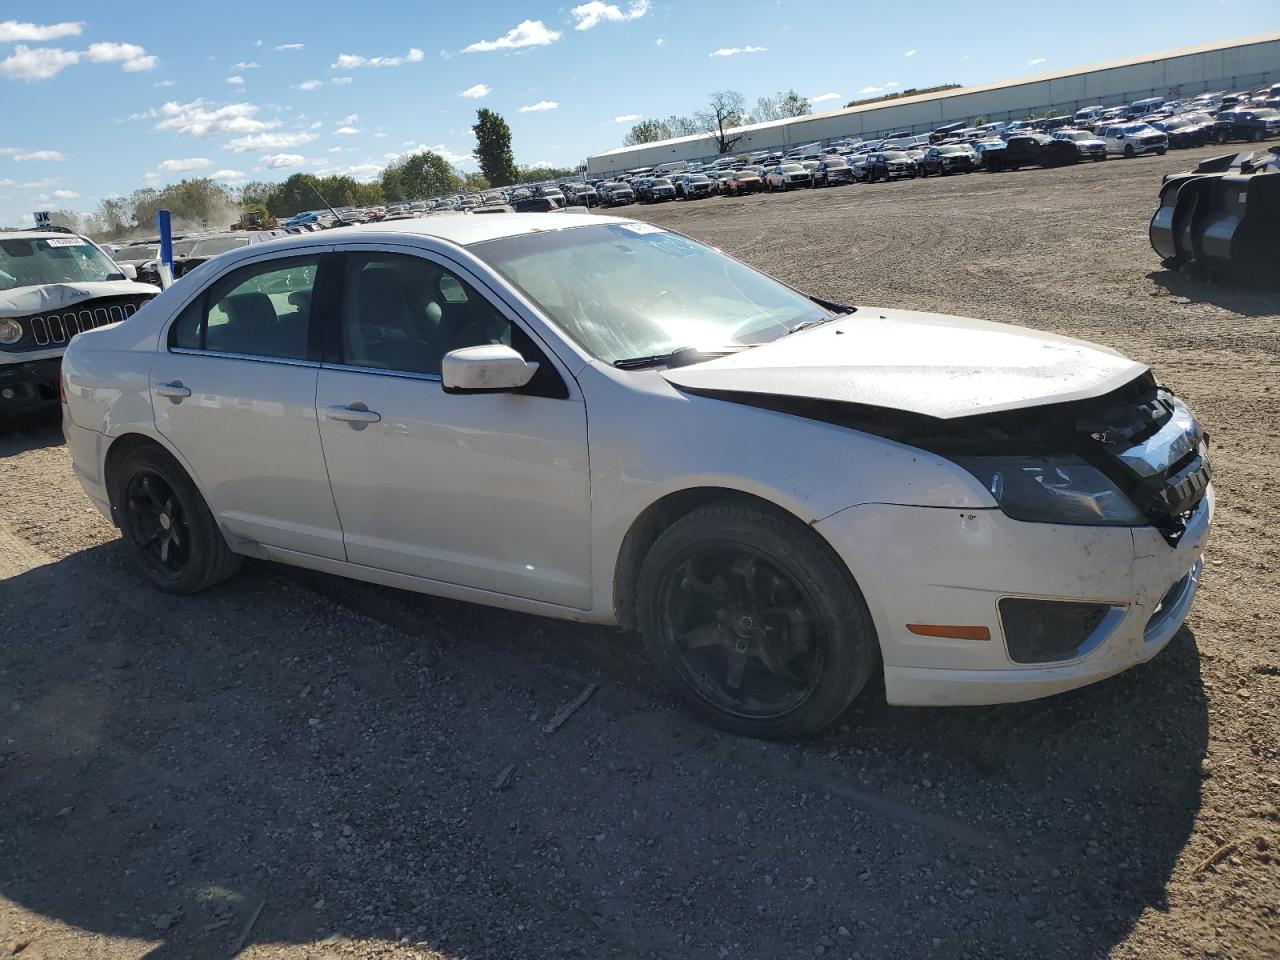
37,234
460,228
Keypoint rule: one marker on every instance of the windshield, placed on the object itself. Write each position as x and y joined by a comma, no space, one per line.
137,254
1138,128
698,178
216,245
835,162
955,149
792,168
894,155
662,182
32,261
625,290
1080,135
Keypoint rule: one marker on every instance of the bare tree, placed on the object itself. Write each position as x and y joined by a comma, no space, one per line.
781,106
725,110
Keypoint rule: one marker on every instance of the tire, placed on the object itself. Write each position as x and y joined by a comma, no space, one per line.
1128,151
1160,151
197,556
823,648
1220,137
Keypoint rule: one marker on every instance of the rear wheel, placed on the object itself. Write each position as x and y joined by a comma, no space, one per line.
754,622
167,523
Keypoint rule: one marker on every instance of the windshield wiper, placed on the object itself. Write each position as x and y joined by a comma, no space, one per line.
678,357
806,324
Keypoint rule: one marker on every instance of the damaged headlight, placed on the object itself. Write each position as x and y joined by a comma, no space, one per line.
10,331
1054,490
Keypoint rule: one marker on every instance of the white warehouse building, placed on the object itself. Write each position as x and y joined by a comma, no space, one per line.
1227,66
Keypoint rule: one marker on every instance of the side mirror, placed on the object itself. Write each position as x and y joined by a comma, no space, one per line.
129,270
489,368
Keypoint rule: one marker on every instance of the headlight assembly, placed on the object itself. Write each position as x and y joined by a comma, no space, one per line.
1054,490
10,332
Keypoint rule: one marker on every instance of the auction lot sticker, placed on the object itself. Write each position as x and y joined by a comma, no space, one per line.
65,242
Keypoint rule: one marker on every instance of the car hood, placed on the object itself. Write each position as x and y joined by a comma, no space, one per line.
24,301
925,363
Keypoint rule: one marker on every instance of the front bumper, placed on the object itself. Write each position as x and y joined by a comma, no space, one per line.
28,385
945,566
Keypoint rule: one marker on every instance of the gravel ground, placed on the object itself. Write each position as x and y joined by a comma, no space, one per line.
328,757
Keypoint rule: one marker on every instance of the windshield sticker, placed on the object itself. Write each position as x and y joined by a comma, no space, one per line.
65,242
641,228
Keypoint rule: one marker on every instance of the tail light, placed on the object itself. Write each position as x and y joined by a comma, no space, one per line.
62,386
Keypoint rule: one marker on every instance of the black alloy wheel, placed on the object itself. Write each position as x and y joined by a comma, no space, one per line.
158,523
742,634
165,521
754,621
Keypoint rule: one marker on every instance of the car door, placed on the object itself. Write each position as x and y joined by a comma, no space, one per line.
233,387
482,490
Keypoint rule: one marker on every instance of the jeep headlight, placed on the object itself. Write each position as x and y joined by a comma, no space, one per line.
1054,490
10,331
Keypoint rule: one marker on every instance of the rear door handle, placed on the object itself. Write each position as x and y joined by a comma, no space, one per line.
352,413
175,391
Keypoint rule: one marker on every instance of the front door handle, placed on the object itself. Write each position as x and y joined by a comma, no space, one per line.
174,390
352,413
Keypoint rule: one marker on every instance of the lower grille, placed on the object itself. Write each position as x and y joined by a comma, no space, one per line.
1045,631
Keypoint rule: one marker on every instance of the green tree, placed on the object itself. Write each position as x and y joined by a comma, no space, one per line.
419,176
493,148
646,131
780,106
475,182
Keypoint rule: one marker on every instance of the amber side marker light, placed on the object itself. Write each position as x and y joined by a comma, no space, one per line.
950,632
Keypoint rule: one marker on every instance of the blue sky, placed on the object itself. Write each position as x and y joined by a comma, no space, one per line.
101,99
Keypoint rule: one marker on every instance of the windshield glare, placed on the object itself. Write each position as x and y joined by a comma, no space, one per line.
33,261
137,254
630,290
216,245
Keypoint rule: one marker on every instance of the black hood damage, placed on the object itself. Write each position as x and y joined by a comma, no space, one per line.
1139,435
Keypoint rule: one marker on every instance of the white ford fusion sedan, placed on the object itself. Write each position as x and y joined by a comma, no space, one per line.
599,419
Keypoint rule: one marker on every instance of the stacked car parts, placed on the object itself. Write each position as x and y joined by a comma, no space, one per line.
1223,219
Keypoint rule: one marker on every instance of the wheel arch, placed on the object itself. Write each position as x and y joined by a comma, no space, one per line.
661,514
125,443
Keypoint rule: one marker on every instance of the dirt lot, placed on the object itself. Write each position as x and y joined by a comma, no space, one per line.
328,752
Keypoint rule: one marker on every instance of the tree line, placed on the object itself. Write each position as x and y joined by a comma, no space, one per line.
200,202
725,110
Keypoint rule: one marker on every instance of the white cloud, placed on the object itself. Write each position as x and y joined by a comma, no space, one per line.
891,84
200,118
183,165
824,97
228,175
341,81
595,12
527,33
11,31
39,63
164,83
911,53
351,118
476,91
18,153
627,118
65,194
340,149
347,131
660,41
734,51
352,61
236,81
539,106
315,125
134,57
1035,60
450,155
380,134
245,65
871,90
291,46
278,160
311,85
269,141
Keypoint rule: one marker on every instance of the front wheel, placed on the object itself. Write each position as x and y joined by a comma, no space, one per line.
1128,151
165,520
754,622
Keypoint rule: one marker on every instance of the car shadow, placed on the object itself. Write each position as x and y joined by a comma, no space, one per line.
30,432
1219,292
372,765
